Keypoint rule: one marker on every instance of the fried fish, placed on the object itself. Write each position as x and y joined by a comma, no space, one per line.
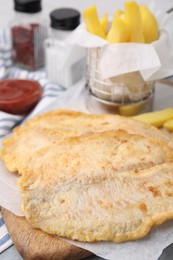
92,177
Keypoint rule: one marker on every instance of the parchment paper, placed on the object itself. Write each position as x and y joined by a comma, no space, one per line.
147,248
154,61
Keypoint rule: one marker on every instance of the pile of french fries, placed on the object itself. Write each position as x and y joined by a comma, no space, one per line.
162,118
136,23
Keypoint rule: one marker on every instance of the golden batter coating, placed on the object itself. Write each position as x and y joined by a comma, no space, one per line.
62,123
92,177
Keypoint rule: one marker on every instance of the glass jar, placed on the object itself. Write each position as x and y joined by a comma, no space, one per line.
64,62
28,32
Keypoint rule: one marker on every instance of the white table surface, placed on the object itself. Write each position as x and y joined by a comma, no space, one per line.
163,95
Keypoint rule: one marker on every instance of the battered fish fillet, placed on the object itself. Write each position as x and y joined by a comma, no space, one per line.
55,125
85,181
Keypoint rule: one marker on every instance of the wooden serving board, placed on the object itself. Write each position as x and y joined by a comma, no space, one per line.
34,244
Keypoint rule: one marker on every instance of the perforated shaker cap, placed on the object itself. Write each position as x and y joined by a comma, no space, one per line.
65,18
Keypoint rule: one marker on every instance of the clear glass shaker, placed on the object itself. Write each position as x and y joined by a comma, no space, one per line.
28,32
64,63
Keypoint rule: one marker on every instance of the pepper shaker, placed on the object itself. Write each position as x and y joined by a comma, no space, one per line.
28,32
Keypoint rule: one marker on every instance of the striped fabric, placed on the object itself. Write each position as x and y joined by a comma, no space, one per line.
5,240
5,53
7,122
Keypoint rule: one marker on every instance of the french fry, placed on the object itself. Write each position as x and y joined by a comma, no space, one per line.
168,125
92,22
119,31
118,14
156,118
133,18
130,110
149,24
104,23
135,24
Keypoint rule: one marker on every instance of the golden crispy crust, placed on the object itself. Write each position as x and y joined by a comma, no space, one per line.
93,212
92,177
64,123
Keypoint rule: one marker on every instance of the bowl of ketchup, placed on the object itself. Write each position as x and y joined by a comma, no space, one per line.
18,96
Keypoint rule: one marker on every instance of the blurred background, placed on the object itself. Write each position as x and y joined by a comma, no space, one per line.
6,6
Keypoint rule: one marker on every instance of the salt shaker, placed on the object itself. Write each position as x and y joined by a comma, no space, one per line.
28,32
64,62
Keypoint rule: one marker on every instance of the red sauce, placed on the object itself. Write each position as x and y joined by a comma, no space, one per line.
19,96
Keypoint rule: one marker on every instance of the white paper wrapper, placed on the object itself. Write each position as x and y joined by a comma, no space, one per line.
9,193
149,247
154,61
